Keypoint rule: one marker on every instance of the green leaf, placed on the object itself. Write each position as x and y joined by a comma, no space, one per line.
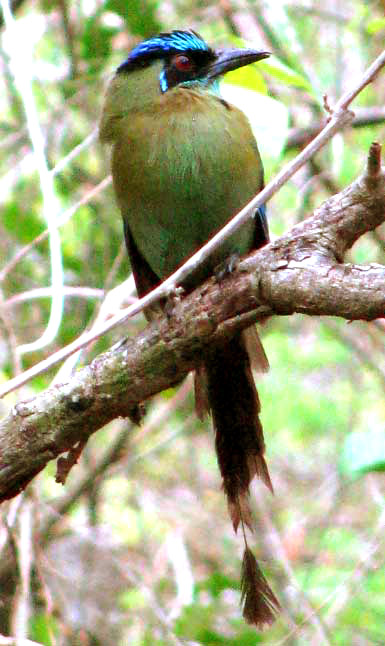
275,68
43,628
375,25
24,225
140,16
216,583
96,42
283,73
363,452
132,600
248,77
269,119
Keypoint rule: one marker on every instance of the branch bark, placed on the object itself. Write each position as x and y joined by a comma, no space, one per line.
339,117
301,271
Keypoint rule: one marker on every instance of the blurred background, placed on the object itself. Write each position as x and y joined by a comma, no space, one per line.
137,548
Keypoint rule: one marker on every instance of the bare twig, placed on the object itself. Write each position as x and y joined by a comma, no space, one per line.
62,219
45,292
23,77
64,465
354,342
71,40
277,552
112,454
22,608
299,137
10,333
345,590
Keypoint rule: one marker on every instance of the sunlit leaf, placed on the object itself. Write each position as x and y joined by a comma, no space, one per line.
363,452
248,77
375,25
286,75
269,118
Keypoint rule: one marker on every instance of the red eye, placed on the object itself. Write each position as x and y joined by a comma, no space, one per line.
183,63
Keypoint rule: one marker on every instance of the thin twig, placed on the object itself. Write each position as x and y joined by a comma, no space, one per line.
10,333
22,609
70,37
46,292
62,219
114,453
299,137
345,589
74,152
354,342
278,553
22,71
124,292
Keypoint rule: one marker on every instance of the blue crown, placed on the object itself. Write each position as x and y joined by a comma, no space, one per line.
166,43
176,41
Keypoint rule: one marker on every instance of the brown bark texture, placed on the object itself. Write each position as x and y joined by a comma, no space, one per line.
302,271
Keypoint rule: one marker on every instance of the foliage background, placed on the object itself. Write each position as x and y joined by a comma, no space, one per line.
137,549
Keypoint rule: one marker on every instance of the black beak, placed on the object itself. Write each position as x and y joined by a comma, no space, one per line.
230,59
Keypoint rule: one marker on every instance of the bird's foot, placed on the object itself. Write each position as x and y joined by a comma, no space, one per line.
136,413
226,267
172,301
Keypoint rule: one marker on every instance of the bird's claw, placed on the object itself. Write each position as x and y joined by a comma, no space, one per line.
226,267
172,300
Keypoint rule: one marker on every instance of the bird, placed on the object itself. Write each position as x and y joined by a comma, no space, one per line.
184,161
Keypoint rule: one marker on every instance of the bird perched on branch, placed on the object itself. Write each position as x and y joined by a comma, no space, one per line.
184,161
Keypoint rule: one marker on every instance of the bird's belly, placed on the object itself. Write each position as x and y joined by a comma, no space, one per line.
174,196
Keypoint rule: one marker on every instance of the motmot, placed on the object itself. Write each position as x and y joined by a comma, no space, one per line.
184,162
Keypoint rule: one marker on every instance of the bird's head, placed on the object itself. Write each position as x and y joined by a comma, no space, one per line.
178,59
185,59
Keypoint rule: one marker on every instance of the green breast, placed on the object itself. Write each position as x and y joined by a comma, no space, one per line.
181,175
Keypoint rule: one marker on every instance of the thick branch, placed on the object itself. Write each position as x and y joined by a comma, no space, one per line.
339,117
299,272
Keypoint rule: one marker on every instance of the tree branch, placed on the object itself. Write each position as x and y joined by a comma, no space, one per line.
301,271
339,117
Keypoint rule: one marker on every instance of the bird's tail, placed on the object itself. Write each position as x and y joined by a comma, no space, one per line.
225,385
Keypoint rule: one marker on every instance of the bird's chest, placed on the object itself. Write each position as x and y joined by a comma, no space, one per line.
179,178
